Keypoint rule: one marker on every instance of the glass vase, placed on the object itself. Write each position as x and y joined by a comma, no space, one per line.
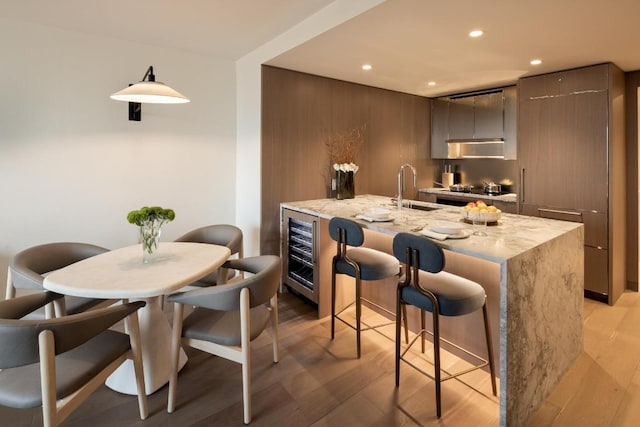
345,185
150,239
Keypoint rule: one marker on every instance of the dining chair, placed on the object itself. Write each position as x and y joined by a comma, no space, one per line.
219,234
427,287
227,318
28,268
57,363
363,264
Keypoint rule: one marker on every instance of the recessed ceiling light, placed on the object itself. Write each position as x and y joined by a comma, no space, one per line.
431,83
536,61
476,33
366,67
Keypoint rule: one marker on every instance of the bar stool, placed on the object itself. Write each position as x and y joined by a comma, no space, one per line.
359,263
428,288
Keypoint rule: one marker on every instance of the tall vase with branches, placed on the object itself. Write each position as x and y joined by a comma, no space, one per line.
343,147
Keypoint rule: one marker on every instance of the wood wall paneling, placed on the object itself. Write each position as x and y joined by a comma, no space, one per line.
298,112
632,81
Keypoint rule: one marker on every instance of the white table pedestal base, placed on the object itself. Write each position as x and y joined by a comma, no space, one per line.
155,333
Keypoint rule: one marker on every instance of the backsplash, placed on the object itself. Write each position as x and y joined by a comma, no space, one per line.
475,171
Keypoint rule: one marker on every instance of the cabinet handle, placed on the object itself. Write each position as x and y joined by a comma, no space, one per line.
560,212
314,242
522,186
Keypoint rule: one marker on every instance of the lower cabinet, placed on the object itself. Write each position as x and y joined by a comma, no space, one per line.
596,272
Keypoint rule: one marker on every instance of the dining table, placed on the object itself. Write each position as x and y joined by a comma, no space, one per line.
121,274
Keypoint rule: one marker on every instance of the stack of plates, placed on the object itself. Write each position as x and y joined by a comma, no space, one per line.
377,214
446,230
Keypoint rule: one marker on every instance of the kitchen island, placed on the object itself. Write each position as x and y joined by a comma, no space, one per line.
532,271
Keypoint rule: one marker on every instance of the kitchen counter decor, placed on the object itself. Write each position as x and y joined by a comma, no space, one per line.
150,221
345,185
343,147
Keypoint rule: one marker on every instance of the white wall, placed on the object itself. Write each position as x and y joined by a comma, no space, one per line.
248,184
72,165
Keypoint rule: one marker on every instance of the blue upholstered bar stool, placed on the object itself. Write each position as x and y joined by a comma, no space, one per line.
428,288
359,263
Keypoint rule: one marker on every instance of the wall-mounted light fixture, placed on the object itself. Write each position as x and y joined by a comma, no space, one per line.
148,91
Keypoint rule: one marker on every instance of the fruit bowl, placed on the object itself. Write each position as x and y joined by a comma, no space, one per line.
481,215
480,210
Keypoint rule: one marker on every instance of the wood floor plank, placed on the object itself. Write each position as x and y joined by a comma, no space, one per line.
319,382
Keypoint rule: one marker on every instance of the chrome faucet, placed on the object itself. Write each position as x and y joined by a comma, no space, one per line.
401,182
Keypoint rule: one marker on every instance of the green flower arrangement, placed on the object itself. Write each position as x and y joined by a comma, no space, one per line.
149,215
150,221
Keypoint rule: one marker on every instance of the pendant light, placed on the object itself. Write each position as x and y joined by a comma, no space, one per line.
148,91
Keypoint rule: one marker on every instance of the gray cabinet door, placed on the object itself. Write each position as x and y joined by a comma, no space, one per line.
439,128
488,116
596,270
461,121
562,148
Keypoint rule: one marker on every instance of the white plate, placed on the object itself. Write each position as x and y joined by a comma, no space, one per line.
463,234
368,218
447,227
378,213
440,236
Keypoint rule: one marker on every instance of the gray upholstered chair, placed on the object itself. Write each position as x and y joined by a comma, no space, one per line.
359,263
218,234
28,268
57,363
227,318
426,286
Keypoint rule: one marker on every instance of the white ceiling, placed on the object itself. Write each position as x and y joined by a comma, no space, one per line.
408,42
221,28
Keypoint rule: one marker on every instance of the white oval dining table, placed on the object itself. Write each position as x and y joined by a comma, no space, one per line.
121,274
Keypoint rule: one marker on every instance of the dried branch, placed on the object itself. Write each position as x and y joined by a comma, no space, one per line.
343,146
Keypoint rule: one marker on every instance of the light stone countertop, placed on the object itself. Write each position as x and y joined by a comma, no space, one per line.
507,198
513,236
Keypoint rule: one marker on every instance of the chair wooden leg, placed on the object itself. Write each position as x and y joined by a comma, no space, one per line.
274,327
436,365
245,342
487,332
133,328
358,314
10,291
48,378
176,334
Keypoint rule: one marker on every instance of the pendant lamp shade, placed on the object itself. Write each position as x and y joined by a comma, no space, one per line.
150,92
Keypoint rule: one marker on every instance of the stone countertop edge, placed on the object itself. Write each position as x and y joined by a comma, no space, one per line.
513,236
507,198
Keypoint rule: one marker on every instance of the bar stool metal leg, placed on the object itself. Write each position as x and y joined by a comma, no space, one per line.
358,313
487,332
333,299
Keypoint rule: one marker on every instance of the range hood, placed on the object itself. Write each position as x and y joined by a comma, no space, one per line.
475,125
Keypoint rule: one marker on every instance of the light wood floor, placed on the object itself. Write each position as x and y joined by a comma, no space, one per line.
318,382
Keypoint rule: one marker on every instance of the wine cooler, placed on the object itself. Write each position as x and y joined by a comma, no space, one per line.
300,253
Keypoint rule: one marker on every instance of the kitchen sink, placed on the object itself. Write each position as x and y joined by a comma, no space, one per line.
414,204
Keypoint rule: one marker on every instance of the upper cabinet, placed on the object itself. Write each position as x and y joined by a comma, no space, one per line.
479,125
461,118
